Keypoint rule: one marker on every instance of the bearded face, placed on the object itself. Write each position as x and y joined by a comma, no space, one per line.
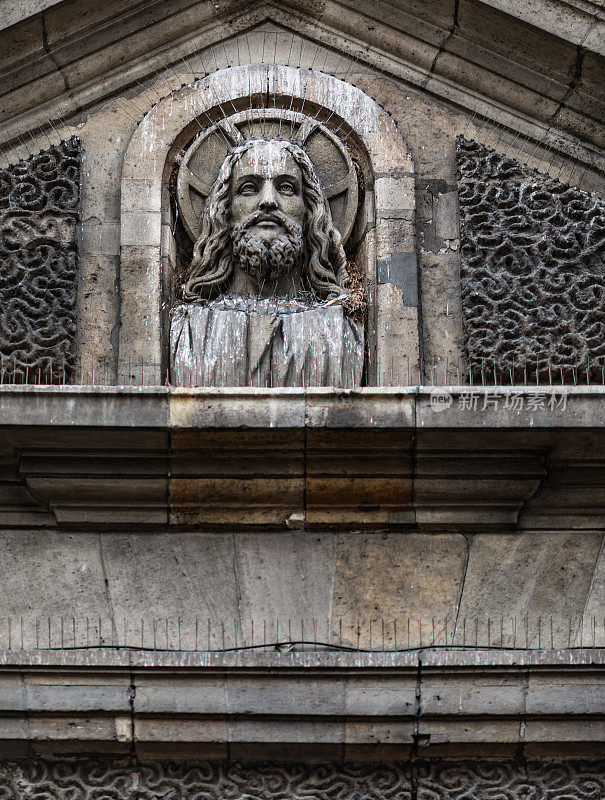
267,213
268,253
267,228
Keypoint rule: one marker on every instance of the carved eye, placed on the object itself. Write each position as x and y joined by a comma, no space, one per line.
286,188
247,188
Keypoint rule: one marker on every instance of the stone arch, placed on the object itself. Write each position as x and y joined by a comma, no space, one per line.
388,248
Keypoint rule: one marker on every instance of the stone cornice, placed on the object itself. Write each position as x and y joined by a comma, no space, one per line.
374,458
570,20
576,21
191,408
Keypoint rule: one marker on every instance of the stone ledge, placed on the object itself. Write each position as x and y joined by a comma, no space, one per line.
478,407
373,458
232,704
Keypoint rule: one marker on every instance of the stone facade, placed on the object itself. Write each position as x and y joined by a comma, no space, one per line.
394,590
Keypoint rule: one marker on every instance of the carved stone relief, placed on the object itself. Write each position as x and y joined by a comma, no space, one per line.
532,269
155,248
330,159
39,214
267,290
507,781
101,778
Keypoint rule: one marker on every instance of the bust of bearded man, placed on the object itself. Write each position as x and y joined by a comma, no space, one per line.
267,244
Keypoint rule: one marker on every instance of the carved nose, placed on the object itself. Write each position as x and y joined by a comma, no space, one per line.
268,198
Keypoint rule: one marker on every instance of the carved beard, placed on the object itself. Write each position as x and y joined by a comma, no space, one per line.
267,260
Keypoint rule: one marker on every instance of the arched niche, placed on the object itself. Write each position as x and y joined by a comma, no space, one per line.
385,241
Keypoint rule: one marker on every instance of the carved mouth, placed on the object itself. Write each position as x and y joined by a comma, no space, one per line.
268,221
265,221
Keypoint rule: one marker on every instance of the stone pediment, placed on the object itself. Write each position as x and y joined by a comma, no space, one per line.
121,78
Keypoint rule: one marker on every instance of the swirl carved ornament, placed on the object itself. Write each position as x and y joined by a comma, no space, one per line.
39,215
107,778
532,269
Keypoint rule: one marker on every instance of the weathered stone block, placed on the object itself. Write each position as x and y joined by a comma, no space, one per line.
363,408
394,193
401,270
142,195
530,574
395,235
214,408
284,577
399,576
396,338
446,217
140,228
226,502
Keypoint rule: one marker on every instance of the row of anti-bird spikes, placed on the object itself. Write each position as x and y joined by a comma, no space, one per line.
273,47
197,634
48,372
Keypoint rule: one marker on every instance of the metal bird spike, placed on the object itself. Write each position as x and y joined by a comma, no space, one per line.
249,51
374,634
228,64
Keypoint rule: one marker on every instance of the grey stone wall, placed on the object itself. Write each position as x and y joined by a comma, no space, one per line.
100,532
70,588
429,126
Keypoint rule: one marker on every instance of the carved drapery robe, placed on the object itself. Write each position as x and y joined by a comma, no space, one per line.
241,341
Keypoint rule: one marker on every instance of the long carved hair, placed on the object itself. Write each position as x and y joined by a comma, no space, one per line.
325,262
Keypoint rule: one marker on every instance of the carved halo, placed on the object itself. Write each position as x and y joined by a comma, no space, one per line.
333,165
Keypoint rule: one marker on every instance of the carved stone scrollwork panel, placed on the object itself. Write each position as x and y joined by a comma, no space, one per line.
118,779
532,269
39,214
507,781
212,780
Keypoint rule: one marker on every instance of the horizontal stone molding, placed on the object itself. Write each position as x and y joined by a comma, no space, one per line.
202,459
240,705
451,407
